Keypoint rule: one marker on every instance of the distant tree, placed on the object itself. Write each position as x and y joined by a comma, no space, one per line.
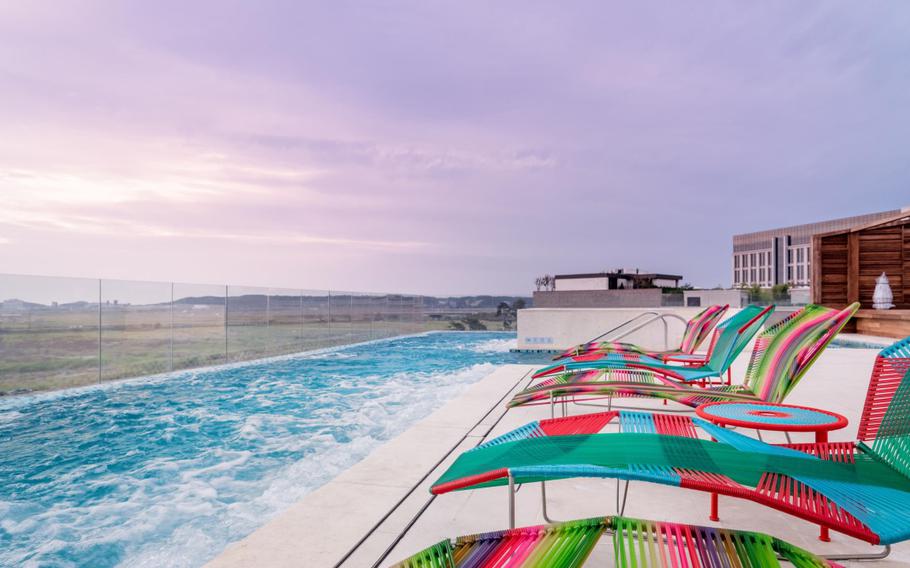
755,293
474,324
545,282
456,325
518,304
780,292
687,286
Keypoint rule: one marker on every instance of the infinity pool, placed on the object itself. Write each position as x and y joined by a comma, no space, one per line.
166,471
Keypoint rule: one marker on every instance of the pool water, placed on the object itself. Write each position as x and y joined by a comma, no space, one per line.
166,471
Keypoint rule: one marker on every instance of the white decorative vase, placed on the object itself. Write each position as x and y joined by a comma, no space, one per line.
881,298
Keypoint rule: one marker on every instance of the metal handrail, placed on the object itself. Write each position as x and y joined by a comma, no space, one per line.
655,316
625,323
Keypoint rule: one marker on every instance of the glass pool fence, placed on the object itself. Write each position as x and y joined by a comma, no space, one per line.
58,332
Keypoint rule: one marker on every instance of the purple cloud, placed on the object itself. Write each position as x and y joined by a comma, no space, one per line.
440,148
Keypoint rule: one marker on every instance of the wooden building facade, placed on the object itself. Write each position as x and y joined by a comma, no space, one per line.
846,264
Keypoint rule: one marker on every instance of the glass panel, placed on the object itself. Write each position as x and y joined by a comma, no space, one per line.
48,332
363,314
199,331
248,323
135,328
340,314
285,321
316,328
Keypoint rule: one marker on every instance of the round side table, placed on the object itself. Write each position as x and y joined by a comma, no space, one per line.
772,417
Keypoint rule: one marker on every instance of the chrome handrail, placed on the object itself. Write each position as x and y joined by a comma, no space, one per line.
655,316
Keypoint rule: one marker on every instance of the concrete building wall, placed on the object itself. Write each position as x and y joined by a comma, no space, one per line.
542,328
705,298
637,298
571,284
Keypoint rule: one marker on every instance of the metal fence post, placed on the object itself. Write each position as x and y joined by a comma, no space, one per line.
171,365
226,294
99,331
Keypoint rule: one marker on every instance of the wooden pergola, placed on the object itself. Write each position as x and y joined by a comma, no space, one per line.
845,265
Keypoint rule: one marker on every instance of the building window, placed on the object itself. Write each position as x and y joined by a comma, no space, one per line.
736,261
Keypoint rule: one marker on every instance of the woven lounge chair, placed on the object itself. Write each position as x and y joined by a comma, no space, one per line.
697,330
861,489
730,337
781,356
636,543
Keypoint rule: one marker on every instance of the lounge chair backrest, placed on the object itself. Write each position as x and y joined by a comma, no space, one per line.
699,327
786,350
733,334
886,415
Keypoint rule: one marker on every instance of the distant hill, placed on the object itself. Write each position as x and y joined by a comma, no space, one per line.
256,301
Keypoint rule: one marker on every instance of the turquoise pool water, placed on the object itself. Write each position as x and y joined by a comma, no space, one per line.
166,471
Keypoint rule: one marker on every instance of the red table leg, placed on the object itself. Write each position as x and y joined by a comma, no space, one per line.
714,516
821,437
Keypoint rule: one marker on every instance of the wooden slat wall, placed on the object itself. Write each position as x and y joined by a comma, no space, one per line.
881,250
831,264
906,247
847,264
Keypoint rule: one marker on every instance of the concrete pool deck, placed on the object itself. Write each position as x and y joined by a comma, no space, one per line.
382,506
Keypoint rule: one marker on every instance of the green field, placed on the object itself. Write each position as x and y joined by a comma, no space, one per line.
51,349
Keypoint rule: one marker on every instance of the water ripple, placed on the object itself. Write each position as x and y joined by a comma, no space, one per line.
168,471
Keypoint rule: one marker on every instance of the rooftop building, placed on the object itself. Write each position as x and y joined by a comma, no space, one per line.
783,256
619,279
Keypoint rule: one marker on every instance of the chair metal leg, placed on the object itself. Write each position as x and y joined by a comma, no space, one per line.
625,496
511,501
885,551
543,497
621,503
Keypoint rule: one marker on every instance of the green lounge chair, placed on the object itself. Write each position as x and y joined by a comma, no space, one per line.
730,338
781,356
860,489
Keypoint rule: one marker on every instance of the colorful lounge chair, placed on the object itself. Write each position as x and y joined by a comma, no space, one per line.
636,543
781,356
861,489
697,330
730,338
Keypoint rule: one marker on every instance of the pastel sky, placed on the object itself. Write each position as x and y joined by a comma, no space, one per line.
437,147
